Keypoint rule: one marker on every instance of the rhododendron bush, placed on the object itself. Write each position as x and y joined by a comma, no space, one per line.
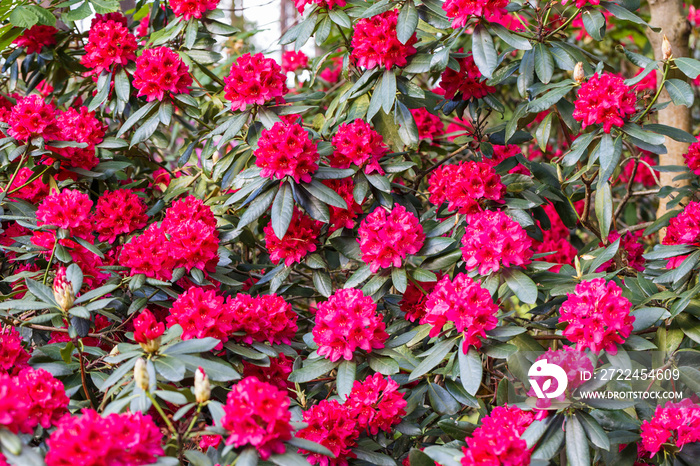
214,254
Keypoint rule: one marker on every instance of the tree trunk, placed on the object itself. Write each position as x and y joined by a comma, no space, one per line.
669,15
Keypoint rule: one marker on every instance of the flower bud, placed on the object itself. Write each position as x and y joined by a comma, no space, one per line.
666,49
141,374
202,389
579,75
63,291
148,331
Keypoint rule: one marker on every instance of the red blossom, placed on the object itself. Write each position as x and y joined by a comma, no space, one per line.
188,9
286,149
376,403
36,38
604,100
375,44
293,61
468,81
497,441
160,72
301,239
254,79
119,212
201,314
460,11
333,426
674,423
357,143
109,43
265,318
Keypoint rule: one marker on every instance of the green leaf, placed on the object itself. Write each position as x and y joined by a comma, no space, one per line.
607,254
289,458
418,458
103,86
674,133
433,359
170,368
45,16
325,194
407,22
377,8
282,210
146,130
385,366
380,182
41,291
638,132
96,293
23,17
373,457
522,285
136,116
680,91
546,101
216,370
399,279
322,283
470,370
609,154
248,457
594,430
257,208
604,208
345,378
509,38
308,445
543,131
199,345
441,400
191,33
623,13
121,85
312,370
82,12
340,18
485,56
688,66
594,22
577,451
577,150
544,63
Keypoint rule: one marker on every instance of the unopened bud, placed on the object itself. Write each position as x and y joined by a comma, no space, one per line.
577,266
666,49
63,291
579,74
202,389
141,374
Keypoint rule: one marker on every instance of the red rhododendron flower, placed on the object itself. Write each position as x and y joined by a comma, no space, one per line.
461,10
202,314
13,356
286,149
189,208
36,37
683,229
346,322
464,302
189,9
32,118
376,403
429,126
119,212
301,239
33,192
555,242
292,61
257,414
497,441
357,143
14,406
692,157
142,29
575,364
330,4
604,100
114,16
254,79
147,328
333,426
160,72
414,300
194,244
374,42
598,316
109,43
149,254
68,209
275,374
464,185
46,395
90,440
386,239
343,217
265,318
80,126
493,240
674,423
468,81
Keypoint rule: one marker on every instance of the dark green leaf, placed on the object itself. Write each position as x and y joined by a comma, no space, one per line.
282,210
407,22
345,378
544,63
485,56
433,359
522,285
470,370
688,66
680,91
312,370
577,451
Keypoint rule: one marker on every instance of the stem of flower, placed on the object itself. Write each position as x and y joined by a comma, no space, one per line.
658,92
566,23
161,412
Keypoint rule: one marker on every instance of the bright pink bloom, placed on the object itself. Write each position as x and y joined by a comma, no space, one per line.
286,149
343,217
357,143
292,61
90,440
69,209
119,212
462,10
264,318
598,316
189,9
194,244
575,364
301,239
468,81
80,126
583,3
684,228
374,42
32,118
202,314
36,38
464,302
376,403
493,240
465,186
414,300
254,79
497,441
161,72
604,100
386,239
692,157
429,126
149,253
563,252
13,356
46,395
333,426
147,328
674,423
275,374
34,192
329,4
346,322
142,28
188,208
115,16
109,43
257,414
648,83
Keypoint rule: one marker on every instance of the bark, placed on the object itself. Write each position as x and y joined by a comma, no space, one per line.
669,15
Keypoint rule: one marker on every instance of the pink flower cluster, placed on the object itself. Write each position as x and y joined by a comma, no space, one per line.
692,157
80,126
286,149
146,328
109,43
68,209
188,9
373,405
301,239
604,100
631,252
275,374
597,315
202,314
464,302
257,414
575,364
462,10
266,318
556,241
497,441
329,4
375,44
36,37
34,192
493,240
683,229
346,322
675,423
468,81
357,143
386,239
161,72
465,185
343,218
129,439
429,126
254,79
119,212
414,300
292,61
32,118
13,356
31,398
